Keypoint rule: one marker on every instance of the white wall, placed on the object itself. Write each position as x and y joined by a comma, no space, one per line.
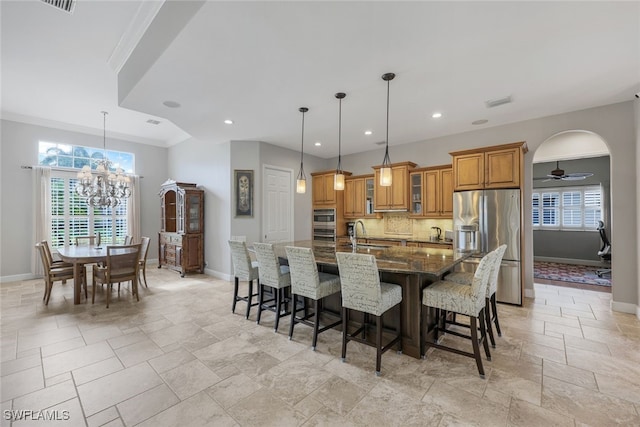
19,146
212,166
207,164
613,123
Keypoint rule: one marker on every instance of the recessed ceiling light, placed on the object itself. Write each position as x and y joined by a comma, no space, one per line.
367,132
436,115
480,122
228,122
171,104
318,144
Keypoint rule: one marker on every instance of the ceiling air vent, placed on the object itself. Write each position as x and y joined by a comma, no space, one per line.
153,122
496,102
66,5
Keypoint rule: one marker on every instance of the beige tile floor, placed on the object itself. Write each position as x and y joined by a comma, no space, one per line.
179,357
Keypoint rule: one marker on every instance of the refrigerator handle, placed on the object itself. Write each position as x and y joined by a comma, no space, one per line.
485,224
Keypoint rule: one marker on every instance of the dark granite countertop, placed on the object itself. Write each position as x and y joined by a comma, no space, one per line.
395,259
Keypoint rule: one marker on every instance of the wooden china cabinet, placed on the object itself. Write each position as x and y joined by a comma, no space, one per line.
181,238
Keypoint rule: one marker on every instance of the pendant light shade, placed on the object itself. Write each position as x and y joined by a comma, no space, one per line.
385,170
338,179
301,180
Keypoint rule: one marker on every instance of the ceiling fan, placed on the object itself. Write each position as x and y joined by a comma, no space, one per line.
558,174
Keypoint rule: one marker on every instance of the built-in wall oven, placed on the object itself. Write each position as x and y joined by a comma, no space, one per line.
324,225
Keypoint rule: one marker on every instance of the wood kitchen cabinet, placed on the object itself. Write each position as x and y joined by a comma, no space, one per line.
181,236
322,188
431,192
358,196
396,196
499,166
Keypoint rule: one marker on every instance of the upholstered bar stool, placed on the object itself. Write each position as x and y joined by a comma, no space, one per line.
275,276
362,291
446,296
466,278
307,282
243,269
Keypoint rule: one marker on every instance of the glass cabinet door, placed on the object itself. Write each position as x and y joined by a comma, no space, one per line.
368,188
416,193
193,218
180,212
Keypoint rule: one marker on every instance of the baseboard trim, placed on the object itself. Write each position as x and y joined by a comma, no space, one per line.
571,261
18,277
625,307
218,274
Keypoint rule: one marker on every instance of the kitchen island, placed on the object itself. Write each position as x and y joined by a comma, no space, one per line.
412,268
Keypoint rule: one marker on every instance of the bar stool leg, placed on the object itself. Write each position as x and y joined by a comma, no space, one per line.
487,318
316,323
476,346
345,321
278,303
260,302
494,308
293,317
249,297
235,295
483,331
378,344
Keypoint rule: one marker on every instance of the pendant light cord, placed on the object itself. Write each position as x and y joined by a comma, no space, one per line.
104,134
386,151
302,139
339,169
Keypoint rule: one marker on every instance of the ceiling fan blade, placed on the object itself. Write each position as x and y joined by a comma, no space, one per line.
579,175
555,176
573,178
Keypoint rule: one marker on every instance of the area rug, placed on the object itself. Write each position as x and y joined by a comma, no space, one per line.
569,273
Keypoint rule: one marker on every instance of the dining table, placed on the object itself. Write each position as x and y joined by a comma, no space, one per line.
79,256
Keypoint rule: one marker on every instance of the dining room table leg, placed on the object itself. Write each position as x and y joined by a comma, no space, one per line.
78,277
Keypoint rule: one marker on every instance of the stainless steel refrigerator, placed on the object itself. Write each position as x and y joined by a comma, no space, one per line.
484,220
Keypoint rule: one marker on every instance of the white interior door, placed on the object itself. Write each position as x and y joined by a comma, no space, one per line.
277,196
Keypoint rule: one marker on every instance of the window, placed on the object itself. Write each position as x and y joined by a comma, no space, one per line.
72,217
567,208
75,156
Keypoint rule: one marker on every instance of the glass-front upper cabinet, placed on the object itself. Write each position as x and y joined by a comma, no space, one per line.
416,193
182,208
369,184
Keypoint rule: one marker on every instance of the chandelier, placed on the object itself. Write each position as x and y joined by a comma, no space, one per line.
107,186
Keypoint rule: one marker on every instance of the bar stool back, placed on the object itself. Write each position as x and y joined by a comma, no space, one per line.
307,282
275,276
446,296
466,278
243,269
363,291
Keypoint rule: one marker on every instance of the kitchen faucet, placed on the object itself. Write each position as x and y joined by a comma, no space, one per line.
354,237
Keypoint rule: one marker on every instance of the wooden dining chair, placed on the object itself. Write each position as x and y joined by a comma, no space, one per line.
122,266
88,240
128,240
142,268
53,273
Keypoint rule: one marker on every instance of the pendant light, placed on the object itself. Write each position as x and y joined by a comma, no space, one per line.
301,180
338,179
385,170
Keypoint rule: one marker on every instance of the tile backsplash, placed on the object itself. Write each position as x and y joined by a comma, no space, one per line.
398,224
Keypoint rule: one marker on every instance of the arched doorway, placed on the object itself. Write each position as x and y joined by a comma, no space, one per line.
570,195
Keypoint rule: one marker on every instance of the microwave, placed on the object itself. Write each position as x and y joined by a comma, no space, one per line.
324,218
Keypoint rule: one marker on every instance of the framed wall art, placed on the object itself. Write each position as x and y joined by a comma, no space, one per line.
243,194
